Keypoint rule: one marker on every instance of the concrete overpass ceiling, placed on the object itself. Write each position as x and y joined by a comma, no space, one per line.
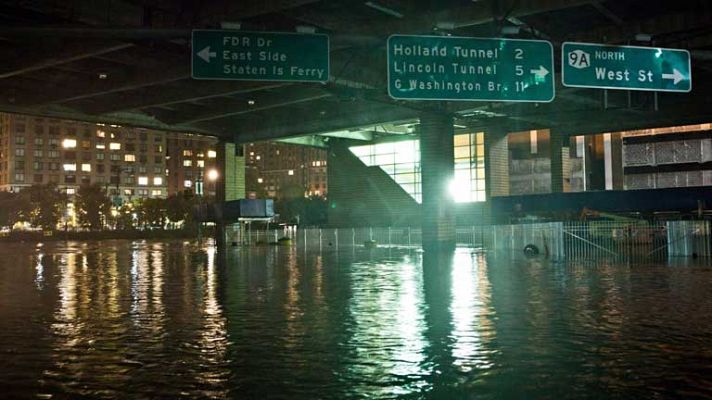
128,61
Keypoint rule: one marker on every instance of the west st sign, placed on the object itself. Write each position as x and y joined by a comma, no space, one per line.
625,67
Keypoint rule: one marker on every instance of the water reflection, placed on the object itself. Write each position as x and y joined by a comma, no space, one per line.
172,319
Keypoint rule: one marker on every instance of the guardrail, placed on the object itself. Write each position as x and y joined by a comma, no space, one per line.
557,240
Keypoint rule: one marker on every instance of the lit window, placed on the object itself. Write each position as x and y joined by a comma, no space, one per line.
252,153
69,143
187,153
201,163
157,181
86,167
291,172
212,154
129,157
187,163
71,191
259,180
157,192
188,184
100,133
143,180
114,146
257,158
69,167
100,146
200,155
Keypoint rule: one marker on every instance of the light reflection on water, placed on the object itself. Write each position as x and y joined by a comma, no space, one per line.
169,319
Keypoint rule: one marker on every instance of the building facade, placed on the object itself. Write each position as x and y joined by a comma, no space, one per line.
129,162
191,162
274,169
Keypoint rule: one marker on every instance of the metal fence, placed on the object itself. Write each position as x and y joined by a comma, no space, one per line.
557,240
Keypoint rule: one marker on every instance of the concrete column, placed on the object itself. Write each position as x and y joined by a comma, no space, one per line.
437,169
556,144
230,183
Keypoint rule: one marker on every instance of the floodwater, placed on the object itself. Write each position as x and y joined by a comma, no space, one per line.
120,319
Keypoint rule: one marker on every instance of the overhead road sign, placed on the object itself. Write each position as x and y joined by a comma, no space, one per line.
462,68
259,56
603,66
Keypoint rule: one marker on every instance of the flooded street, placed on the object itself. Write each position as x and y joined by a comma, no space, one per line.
121,319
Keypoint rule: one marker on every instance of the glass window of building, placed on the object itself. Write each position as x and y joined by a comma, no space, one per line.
37,165
187,163
99,156
86,167
69,143
400,160
19,152
143,180
19,140
129,157
86,144
212,154
71,191
469,182
187,153
19,177
114,146
187,183
69,167
53,154
100,146
200,163
141,169
39,129
53,142
38,153
19,165
157,181
39,141
115,157
38,178
54,130
100,133
159,148
70,179
156,192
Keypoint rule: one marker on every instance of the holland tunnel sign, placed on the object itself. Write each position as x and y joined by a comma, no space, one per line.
259,56
460,68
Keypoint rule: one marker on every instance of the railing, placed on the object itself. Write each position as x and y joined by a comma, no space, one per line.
557,240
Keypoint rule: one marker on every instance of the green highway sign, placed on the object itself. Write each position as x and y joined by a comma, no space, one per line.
259,56
625,67
462,68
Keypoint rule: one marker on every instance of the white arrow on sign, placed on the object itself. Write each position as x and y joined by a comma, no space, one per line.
206,54
541,72
676,76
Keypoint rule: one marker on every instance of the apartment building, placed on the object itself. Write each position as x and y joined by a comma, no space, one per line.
272,168
129,162
191,162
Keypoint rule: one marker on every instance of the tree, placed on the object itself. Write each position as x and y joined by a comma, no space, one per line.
11,208
151,212
124,219
179,207
92,203
43,205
